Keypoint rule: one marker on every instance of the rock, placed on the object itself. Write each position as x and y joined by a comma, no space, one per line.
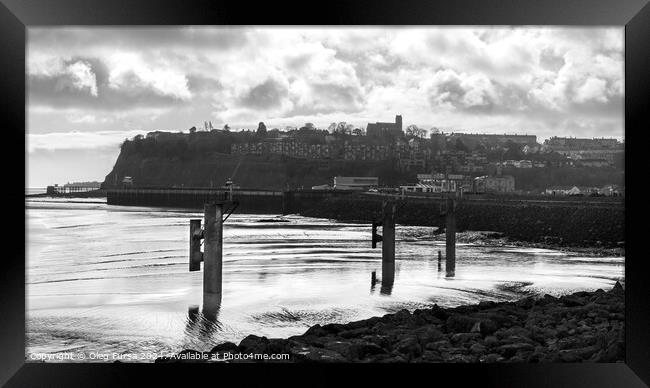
492,357
437,345
359,351
510,350
439,312
477,349
333,328
571,301
617,289
483,305
354,333
428,334
462,338
316,330
491,341
226,347
277,346
562,331
321,355
253,344
379,340
460,323
409,347
431,356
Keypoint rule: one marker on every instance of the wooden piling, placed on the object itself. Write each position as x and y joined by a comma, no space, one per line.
439,260
212,255
450,250
388,245
195,245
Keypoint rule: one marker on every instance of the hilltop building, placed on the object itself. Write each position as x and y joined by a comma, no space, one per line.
587,149
573,143
471,140
386,129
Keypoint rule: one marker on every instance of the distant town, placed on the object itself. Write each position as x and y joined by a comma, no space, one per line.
424,161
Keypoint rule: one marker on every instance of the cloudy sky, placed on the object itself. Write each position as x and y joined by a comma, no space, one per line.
90,88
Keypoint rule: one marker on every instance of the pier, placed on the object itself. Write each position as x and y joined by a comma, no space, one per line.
252,201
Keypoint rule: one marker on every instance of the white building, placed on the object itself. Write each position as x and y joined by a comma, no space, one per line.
355,183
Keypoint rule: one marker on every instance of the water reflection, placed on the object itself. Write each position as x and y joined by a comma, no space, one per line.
387,278
202,325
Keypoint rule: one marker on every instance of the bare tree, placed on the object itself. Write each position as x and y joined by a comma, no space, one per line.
414,131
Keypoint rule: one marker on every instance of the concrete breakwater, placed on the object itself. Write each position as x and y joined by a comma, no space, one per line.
563,223
250,201
581,327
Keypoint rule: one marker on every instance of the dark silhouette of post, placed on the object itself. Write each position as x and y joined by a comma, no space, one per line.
212,258
439,261
388,246
450,252
196,257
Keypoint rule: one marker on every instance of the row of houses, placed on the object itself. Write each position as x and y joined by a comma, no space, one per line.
445,183
607,190
291,148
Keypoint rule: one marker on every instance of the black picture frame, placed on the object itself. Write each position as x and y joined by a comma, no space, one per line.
17,15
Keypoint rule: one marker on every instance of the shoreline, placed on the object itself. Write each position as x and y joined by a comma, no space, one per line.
486,238
586,326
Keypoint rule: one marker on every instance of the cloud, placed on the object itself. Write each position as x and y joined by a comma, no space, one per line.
592,89
171,78
78,140
268,94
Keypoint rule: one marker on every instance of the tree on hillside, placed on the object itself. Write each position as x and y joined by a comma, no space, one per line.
309,126
331,128
226,128
193,130
357,132
513,151
344,128
460,146
414,131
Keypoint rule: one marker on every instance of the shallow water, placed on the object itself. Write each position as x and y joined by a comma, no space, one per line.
115,279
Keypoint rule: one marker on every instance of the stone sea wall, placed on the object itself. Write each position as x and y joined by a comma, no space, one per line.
563,223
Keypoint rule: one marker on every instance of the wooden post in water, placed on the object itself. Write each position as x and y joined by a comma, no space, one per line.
212,258
450,252
196,257
439,261
388,246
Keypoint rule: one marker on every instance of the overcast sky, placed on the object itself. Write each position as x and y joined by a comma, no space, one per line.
89,88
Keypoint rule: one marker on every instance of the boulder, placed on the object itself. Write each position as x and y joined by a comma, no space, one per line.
226,347
510,350
460,323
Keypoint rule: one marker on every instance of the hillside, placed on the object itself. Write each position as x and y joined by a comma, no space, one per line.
203,159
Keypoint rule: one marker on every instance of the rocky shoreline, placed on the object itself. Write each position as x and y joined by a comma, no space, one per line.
581,327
